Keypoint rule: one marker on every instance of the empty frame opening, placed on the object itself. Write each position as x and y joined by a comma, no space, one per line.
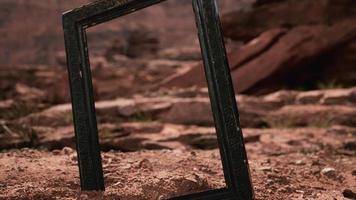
157,140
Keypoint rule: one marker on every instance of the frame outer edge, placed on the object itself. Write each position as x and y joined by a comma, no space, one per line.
222,95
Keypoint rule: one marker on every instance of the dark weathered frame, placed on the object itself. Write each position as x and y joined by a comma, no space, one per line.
225,112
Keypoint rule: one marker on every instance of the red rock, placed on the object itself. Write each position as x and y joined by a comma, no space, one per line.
196,75
339,97
269,14
311,97
279,59
312,115
290,56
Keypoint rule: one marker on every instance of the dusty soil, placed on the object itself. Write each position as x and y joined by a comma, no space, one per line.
141,175
301,145
303,163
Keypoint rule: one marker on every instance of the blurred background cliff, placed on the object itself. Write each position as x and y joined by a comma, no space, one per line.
292,44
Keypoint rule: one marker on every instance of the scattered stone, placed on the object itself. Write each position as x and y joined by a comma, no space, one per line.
90,195
350,145
283,96
338,97
29,94
329,172
73,157
310,97
161,197
145,164
347,193
265,169
299,162
67,150
56,152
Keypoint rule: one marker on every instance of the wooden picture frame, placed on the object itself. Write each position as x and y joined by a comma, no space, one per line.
222,96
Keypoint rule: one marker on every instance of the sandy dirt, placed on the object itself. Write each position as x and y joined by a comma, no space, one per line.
304,163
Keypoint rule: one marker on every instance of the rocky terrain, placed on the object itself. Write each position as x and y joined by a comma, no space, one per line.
301,145
294,77
282,49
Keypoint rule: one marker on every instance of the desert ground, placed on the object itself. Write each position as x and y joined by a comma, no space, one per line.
294,77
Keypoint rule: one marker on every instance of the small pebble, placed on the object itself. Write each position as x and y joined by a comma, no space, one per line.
67,150
315,170
73,157
83,196
161,197
56,152
128,166
265,169
349,194
270,181
299,162
20,169
329,172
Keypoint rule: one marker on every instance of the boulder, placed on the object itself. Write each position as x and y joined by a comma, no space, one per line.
312,115
15,135
270,14
282,59
196,75
300,108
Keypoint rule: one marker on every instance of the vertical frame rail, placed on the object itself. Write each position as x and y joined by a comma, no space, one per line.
223,102
84,118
